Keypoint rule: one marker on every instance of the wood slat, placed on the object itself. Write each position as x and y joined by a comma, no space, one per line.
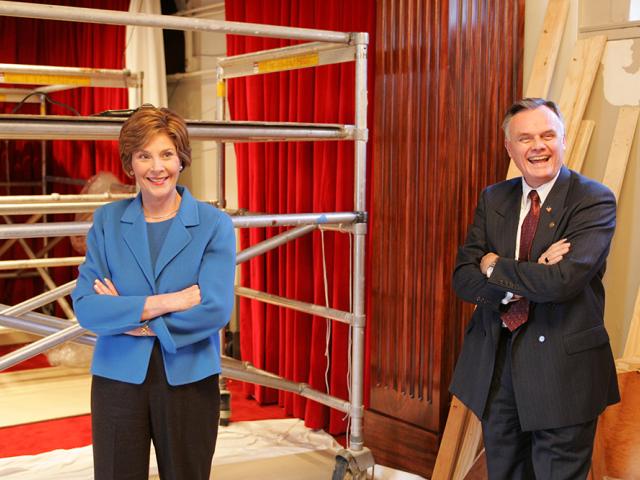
544,62
582,145
578,83
461,441
620,148
632,346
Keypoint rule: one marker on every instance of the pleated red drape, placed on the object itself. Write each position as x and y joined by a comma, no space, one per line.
297,177
68,44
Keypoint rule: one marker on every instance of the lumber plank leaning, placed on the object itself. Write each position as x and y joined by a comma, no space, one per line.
632,346
460,442
582,144
576,89
544,62
620,148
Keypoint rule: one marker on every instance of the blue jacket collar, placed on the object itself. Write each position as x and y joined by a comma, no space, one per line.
178,237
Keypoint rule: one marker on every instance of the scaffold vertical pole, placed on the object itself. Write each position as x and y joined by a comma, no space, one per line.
358,339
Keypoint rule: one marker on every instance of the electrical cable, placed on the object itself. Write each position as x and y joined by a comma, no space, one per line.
47,98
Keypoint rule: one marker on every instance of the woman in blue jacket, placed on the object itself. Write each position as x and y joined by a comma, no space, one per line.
156,287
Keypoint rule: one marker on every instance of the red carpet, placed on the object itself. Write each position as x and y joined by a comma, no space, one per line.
75,432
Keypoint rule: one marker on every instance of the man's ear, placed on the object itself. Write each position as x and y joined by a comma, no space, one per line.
507,145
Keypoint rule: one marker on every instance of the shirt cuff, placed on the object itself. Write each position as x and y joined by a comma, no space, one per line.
507,298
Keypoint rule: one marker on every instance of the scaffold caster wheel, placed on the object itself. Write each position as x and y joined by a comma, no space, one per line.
352,465
225,408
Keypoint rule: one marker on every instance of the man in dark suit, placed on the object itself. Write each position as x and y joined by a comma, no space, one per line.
536,366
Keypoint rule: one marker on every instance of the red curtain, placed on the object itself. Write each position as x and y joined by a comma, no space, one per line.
69,44
297,177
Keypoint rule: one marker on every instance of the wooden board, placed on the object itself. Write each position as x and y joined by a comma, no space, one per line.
616,452
632,347
479,469
582,144
461,441
584,65
620,148
544,62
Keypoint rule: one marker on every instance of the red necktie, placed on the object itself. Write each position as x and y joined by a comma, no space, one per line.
518,312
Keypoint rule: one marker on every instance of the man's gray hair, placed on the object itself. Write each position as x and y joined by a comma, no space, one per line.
529,104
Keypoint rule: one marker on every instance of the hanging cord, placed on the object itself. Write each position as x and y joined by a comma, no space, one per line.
328,321
348,414
48,99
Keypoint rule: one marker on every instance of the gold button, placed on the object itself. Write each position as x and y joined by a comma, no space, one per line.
552,224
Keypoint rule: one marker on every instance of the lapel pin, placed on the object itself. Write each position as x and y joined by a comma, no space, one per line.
548,209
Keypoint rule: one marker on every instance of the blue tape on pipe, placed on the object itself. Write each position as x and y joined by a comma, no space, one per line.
323,219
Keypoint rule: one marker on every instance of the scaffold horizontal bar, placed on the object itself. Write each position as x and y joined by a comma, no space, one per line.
40,263
273,242
58,331
39,346
248,373
57,198
76,76
305,307
280,220
44,208
286,58
33,323
63,229
111,17
39,300
58,127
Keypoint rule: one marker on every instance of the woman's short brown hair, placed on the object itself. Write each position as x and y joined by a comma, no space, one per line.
147,122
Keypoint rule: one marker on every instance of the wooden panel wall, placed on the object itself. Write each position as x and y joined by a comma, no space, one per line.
445,73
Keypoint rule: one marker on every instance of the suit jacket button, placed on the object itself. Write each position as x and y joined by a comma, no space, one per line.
541,338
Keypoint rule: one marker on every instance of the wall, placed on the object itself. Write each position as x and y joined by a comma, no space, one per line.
617,83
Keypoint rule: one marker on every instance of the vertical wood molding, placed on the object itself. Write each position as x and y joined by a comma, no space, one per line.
445,73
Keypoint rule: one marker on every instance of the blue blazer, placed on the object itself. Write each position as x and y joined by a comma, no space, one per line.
199,249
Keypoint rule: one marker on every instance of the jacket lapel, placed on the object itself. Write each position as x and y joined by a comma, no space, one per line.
135,236
178,236
507,210
551,212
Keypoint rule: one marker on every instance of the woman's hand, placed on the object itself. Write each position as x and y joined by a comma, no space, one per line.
555,253
185,299
157,305
105,287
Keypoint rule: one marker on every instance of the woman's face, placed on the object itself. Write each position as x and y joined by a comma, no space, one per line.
156,168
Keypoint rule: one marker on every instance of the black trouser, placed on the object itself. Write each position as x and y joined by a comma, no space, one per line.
182,421
554,454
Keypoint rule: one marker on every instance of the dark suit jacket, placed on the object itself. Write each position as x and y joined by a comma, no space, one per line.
563,368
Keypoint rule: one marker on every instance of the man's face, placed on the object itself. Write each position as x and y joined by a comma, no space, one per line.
536,143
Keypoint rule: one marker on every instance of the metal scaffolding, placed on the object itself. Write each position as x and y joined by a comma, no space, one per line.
325,47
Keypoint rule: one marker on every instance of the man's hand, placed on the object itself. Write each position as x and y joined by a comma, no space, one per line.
555,253
488,260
